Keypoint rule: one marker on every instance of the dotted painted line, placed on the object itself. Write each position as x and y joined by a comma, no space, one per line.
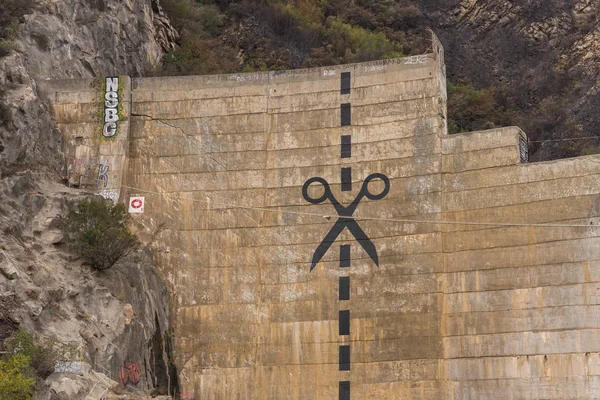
344,281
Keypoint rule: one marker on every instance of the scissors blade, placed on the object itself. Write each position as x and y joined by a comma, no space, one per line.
362,238
328,240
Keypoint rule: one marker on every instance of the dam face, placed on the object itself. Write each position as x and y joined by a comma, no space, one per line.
324,238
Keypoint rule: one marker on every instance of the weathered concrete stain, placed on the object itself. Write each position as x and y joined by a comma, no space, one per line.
452,311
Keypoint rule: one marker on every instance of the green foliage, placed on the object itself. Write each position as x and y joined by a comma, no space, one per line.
259,35
16,378
5,114
97,229
10,13
24,361
356,44
590,150
204,20
198,56
470,109
41,358
200,51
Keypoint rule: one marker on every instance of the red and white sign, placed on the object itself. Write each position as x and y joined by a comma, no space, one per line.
136,204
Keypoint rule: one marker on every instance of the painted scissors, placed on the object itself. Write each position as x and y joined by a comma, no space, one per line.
345,219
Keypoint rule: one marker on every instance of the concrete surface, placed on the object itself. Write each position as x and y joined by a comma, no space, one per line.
453,311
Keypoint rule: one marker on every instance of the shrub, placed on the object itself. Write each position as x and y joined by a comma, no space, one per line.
41,358
16,378
188,16
469,109
198,56
97,229
10,13
5,114
356,15
404,17
358,44
589,150
24,363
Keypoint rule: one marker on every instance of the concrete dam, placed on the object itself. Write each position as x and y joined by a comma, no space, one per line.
323,236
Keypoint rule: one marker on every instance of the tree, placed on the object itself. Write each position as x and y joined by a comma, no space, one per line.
97,229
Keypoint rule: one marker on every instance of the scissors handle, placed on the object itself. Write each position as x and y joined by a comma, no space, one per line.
364,191
317,200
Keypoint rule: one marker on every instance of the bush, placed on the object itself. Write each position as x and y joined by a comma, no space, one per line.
16,378
24,363
10,13
41,358
98,231
190,17
198,56
469,109
256,35
356,44
5,114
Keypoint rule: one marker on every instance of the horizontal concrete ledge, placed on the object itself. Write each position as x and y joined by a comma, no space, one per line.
405,64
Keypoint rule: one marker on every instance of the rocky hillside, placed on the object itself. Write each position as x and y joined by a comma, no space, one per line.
530,63
109,327
541,57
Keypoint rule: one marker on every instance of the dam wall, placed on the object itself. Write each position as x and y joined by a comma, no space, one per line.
323,237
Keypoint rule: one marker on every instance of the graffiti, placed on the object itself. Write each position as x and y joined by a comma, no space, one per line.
112,194
187,396
130,373
373,68
102,179
111,107
329,72
78,162
73,367
345,219
421,59
249,77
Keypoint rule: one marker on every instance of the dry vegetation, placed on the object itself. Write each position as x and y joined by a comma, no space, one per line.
222,36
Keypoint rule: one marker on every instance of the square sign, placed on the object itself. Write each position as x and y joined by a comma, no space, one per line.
136,205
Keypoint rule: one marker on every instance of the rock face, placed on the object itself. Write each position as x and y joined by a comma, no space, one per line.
545,52
117,321
88,38
72,39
